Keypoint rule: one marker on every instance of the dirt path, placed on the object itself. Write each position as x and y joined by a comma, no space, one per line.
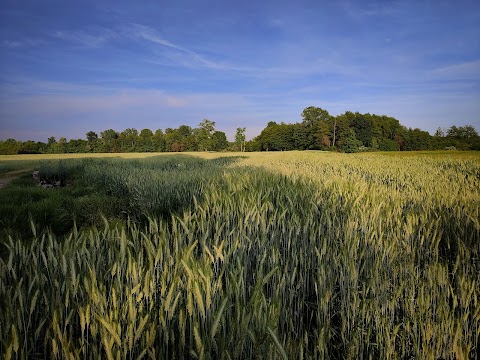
6,178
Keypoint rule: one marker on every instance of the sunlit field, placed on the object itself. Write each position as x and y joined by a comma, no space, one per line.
293,255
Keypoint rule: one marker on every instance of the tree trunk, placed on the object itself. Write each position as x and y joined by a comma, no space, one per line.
334,130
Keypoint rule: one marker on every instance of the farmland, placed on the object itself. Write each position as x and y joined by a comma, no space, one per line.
294,255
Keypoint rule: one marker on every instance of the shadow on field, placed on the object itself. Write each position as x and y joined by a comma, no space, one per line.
104,188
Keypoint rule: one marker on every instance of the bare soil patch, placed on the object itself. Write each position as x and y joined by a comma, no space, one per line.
6,178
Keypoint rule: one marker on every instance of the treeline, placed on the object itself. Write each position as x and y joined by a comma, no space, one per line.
353,132
318,130
185,138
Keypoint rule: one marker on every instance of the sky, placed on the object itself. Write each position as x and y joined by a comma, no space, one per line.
69,67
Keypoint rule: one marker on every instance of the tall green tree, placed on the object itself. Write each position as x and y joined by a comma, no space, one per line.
205,133
340,129
303,136
77,146
32,147
240,138
159,140
10,146
172,140
109,140
277,137
324,134
417,139
92,141
362,124
312,115
129,138
61,147
145,141
350,143
52,144
308,137
219,141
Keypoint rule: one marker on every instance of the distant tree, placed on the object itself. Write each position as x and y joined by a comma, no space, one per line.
52,141
334,131
109,140
204,134
303,137
439,132
387,145
52,144
188,138
191,138
324,134
92,136
173,140
363,127
350,143
61,146
340,129
219,141
129,138
400,141
308,137
277,137
207,125
31,147
184,131
240,138
469,132
462,132
159,140
146,134
253,145
417,139
92,140
145,141
312,115
10,146
77,146
461,137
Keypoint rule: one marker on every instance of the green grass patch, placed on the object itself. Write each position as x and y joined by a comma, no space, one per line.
94,188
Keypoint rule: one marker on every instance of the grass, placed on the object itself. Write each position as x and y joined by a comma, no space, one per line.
450,154
301,255
97,188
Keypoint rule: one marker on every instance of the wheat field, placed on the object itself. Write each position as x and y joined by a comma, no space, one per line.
295,255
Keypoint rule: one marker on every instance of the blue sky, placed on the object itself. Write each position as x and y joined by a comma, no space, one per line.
70,67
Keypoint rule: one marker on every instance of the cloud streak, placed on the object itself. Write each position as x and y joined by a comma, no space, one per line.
182,55
86,39
460,71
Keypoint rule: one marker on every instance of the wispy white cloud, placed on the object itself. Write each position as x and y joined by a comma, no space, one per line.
11,43
64,98
22,43
150,34
360,10
87,39
180,55
465,70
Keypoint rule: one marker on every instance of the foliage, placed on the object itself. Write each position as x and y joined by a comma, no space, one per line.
351,144
318,130
240,138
